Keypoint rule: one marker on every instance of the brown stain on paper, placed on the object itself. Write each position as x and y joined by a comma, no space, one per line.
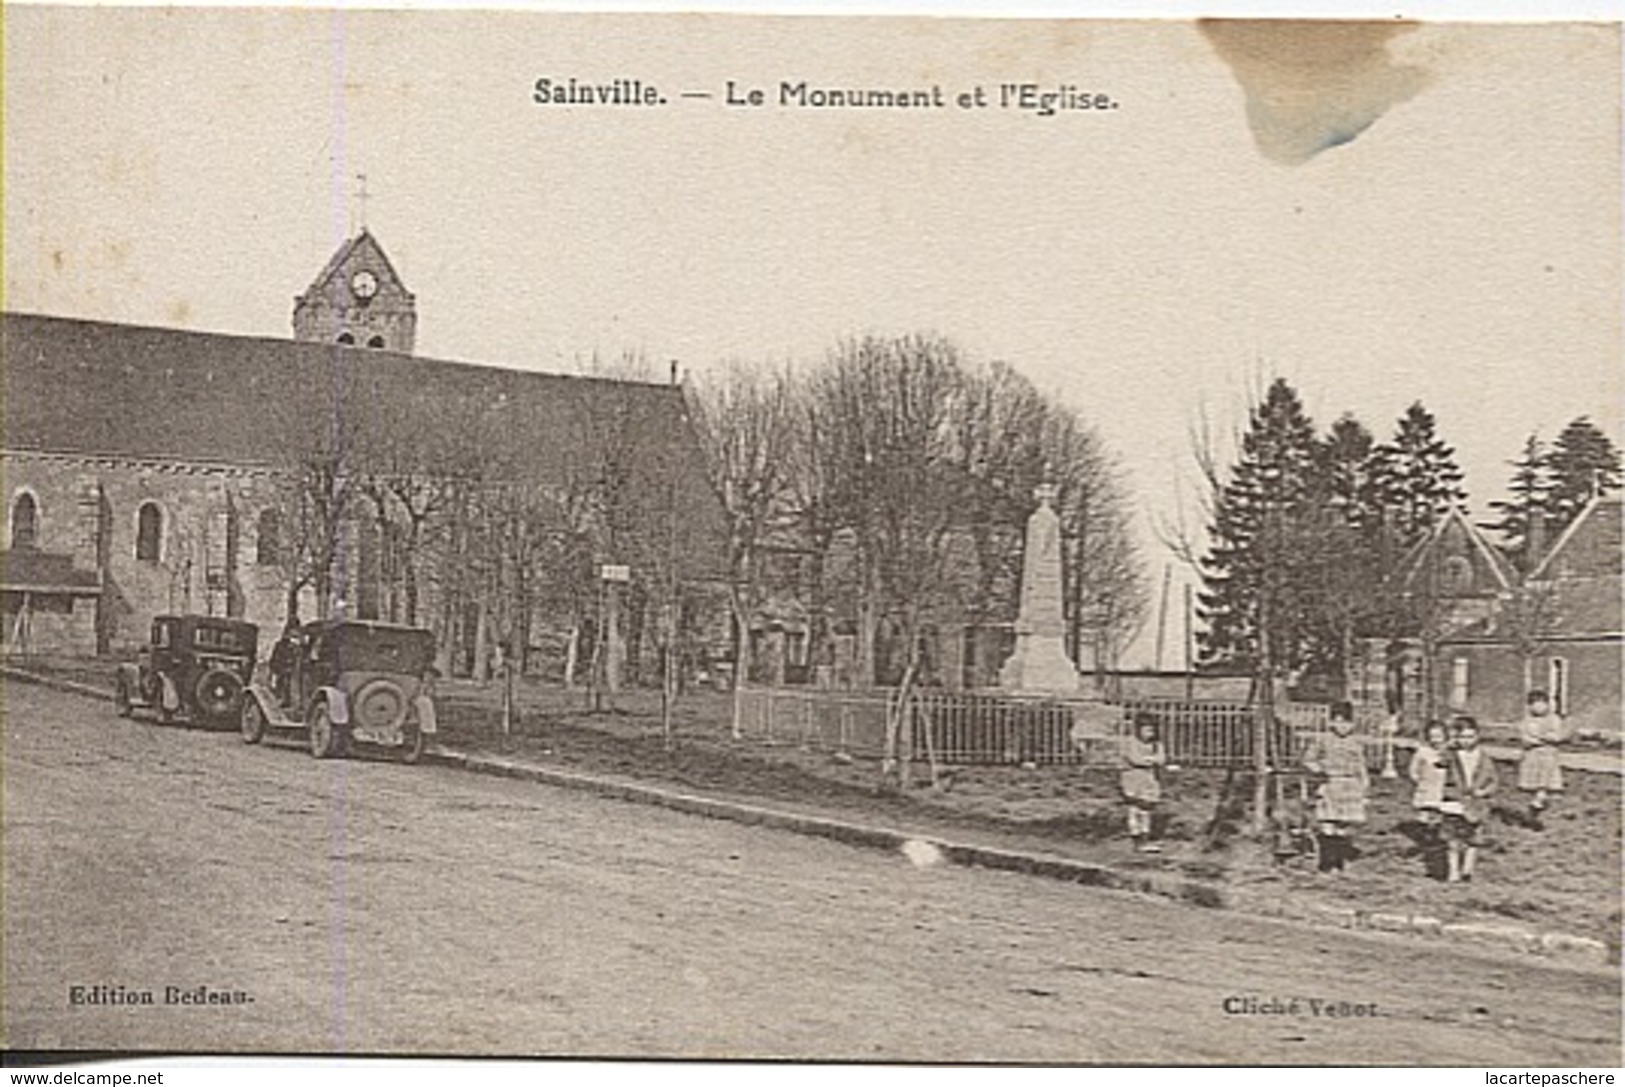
1312,85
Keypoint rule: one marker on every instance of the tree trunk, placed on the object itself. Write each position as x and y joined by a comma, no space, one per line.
482,644
572,650
899,753
411,579
741,637
614,645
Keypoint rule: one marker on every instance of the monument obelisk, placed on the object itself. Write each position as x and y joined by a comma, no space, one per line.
1040,662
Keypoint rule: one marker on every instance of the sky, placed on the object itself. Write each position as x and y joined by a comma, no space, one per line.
1380,216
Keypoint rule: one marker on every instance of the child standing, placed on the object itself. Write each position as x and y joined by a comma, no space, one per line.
1339,760
1539,771
1428,771
1142,757
1469,783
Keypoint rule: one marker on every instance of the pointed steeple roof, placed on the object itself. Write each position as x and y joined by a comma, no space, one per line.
363,248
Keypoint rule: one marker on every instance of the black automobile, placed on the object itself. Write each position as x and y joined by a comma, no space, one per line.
342,680
193,666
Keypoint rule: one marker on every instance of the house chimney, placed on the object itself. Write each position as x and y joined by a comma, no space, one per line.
1534,540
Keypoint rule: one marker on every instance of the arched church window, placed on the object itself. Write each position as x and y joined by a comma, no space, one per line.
149,532
376,341
346,338
268,538
24,522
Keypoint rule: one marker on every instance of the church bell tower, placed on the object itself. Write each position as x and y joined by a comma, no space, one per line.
358,301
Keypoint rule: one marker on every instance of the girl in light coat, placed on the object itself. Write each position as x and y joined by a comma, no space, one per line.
1142,758
1539,771
1338,759
1427,772
1429,768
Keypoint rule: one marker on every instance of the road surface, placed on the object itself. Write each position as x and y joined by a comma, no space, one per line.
363,906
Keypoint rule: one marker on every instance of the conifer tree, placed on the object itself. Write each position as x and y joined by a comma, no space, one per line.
1421,480
1252,598
1352,473
1343,536
1529,487
1583,463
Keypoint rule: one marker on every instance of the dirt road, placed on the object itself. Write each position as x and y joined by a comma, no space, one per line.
368,907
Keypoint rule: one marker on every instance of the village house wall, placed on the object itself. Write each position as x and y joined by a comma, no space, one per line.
1498,681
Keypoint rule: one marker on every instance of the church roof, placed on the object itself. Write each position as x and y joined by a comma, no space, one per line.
166,395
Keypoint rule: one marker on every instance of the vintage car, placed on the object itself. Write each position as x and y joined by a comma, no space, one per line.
344,680
194,666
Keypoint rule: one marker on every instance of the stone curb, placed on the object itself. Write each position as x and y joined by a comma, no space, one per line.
1048,866
1558,946
84,690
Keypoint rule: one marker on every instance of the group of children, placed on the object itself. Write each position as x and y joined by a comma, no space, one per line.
1454,780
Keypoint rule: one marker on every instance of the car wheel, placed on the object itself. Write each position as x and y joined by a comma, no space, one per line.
326,739
252,721
215,695
121,698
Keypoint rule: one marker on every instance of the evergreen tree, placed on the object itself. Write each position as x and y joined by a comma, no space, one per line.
1529,489
1351,469
1341,539
1583,464
1251,599
1421,480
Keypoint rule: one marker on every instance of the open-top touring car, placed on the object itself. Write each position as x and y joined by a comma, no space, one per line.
192,665
344,680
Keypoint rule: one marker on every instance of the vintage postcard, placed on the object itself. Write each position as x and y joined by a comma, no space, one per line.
880,539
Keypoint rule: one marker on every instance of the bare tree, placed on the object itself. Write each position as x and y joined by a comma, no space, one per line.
1106,595
884,411
744,419
1001,450
316,490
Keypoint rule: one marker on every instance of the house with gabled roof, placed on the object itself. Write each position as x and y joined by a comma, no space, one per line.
1486,637
146,470
1576,629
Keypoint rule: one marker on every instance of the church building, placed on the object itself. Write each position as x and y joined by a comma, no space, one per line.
150,471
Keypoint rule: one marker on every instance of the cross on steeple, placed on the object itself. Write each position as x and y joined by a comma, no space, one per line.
361,201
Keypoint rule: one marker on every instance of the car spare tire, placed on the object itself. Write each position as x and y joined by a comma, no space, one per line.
380,704
216,693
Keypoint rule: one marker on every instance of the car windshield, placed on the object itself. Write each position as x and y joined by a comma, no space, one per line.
368,649
224,638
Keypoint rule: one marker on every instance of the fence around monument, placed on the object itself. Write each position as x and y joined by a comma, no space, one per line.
996,728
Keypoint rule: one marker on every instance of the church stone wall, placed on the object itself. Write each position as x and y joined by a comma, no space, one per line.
90,509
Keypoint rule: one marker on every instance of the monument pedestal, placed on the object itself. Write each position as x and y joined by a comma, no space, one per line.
1040,663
